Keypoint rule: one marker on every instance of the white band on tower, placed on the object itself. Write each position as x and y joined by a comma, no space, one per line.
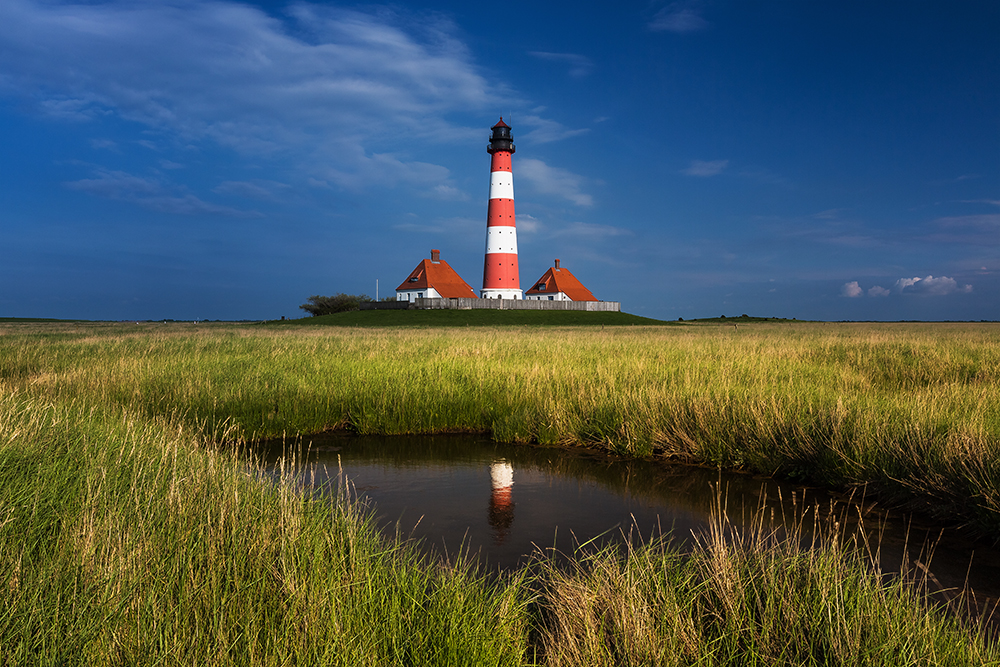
501,185
501,238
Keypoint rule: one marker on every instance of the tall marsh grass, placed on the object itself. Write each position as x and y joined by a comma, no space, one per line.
911,410
128,535
129,542
745,597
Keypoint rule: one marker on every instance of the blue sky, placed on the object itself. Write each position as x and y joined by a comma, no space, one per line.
223,160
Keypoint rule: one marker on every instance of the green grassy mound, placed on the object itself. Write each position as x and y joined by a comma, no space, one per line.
473,318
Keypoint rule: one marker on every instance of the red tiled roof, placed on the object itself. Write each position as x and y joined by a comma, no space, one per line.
441,277
561,280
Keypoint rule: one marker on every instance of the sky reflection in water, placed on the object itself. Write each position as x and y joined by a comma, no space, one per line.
504,502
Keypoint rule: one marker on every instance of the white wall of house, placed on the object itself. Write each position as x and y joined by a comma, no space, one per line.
412,295
558,296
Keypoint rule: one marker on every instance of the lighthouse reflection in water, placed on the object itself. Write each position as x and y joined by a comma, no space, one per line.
501,502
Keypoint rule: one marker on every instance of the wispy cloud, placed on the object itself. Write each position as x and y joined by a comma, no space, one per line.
527,223
679,17
106,144
554,181
579,66
986,221
234,72
765,176
544,130
581,230
257,189
328,83
152,194
447,192
991,202
453,227
706,167
358,169
877,291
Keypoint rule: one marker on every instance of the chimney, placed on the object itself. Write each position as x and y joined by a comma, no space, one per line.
557,264
435,255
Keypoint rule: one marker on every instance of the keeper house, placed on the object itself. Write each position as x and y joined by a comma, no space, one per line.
434,279
558,284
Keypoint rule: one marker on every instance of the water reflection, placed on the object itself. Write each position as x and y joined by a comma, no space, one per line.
434,488
501,513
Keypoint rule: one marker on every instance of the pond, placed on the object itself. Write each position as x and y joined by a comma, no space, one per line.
503,502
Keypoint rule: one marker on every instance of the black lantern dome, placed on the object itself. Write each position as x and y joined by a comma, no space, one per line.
501,140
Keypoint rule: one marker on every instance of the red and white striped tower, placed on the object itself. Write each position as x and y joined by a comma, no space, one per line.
500,277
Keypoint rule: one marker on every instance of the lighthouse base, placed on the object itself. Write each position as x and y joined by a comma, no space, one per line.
501,294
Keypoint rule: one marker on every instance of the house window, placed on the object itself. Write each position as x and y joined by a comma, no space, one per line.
420,295
551,297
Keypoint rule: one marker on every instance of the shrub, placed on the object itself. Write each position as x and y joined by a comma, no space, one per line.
338,303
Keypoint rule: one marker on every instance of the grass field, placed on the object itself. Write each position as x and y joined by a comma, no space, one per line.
473,318
127,531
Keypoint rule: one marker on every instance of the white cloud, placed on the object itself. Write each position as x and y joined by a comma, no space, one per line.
931,286
554,181
579,66
877,291
151,194
706,167
227,70
851,289
330,85
679,17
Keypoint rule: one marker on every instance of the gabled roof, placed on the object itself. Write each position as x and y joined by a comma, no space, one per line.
439,275
559,279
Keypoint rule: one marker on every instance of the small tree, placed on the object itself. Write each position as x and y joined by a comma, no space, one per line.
338,303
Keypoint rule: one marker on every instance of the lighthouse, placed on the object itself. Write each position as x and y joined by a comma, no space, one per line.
500,276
